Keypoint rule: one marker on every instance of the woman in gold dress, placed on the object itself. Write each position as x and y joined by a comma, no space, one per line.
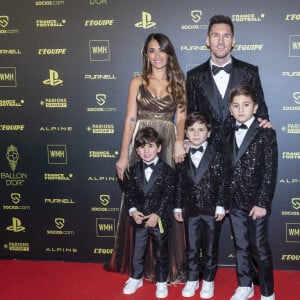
156,99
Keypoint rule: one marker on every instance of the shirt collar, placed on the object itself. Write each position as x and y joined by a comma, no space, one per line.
204,145
248,123
212,63
155,160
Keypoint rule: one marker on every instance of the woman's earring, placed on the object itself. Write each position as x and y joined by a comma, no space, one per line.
148,64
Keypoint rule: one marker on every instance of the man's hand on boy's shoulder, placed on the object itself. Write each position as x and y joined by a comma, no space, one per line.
265,123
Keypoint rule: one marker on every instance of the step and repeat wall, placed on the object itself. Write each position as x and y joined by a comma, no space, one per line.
65,66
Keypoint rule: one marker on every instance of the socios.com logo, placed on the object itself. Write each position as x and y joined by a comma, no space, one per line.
59,222
4,21
104,199
296,96
196,15
296,203
101,99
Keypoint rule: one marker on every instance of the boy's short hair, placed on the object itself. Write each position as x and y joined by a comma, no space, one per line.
145,136
197,117
245,90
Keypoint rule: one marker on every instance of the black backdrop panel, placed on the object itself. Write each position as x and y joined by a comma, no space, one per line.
65,67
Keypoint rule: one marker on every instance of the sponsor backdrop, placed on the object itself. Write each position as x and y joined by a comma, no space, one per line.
65,66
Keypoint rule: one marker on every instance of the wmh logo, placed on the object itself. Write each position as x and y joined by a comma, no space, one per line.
105,227
57,154
99,50
294,46
8,77
293,232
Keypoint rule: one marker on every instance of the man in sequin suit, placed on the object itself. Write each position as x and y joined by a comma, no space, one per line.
209,84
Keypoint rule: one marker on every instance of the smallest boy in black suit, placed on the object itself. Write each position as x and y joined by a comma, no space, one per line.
199,202
149,198
250,184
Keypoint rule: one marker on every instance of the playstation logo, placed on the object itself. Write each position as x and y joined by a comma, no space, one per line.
146,21
16,225
53,79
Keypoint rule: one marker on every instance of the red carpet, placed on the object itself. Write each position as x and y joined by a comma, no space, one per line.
40,280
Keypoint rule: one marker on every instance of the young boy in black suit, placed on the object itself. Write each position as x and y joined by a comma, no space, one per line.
250,183
149,198
199,202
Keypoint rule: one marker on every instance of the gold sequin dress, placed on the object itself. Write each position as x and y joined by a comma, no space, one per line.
158,113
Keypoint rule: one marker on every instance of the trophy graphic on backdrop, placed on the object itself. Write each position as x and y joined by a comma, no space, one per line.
12,157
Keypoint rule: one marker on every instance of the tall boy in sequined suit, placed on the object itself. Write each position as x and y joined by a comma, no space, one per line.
250,184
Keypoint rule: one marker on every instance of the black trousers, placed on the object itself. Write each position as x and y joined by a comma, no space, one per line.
160,251
202,232
251,241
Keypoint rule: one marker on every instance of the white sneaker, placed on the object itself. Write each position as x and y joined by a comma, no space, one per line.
207,290
272,297
190,288
132,285
243,293
161,290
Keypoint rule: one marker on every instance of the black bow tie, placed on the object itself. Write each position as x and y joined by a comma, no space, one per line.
194,150
216,69
242,126
148,166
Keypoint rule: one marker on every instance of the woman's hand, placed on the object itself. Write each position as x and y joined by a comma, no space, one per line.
179,151
121,166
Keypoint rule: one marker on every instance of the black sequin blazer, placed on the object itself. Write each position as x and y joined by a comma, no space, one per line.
200,192
203,95
156,196
252,170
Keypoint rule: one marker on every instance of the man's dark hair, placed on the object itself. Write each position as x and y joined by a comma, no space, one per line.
220,19
147,135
